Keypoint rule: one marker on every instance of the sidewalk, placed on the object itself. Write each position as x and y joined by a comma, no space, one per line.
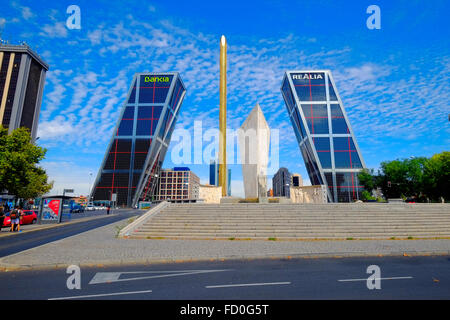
101,247
5,231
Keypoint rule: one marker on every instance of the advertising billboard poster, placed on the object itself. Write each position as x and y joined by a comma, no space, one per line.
51,210
145,205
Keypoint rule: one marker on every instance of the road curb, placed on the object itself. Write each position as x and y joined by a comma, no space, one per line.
127,230
5,267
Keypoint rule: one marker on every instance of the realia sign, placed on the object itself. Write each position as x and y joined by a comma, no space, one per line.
307,76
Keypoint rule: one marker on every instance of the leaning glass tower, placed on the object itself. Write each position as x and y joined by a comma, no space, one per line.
325,137
136,151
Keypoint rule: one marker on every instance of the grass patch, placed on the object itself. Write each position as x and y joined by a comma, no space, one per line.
232,238
118,228
350,239
392,238
410,238
272,239
249,200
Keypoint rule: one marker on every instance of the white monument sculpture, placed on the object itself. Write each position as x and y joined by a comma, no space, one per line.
254,141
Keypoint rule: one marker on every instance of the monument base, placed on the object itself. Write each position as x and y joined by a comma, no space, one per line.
230,200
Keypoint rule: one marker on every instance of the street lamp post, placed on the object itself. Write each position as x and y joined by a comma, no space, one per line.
90,187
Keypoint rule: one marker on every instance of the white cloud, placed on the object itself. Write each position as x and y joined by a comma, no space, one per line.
380,105
69,175
58,30
81,108
26,13
56,129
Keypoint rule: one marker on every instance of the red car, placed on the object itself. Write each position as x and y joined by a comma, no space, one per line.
28,217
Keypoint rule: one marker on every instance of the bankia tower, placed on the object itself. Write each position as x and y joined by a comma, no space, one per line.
325,137
136,151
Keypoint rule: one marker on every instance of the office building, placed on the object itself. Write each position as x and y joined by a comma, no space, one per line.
178,184
281,183
213,173
134,156
22,79
325,137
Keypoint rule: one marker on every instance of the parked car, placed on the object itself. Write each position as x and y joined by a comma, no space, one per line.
90,207
29,217
6,221
77,209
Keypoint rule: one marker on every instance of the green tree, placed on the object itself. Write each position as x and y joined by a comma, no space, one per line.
392,180
367,179
402,178
20,174
436,176
414,176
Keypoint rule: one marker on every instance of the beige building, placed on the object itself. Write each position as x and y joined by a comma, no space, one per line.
254,141
296,180
210,194
178,184
309,194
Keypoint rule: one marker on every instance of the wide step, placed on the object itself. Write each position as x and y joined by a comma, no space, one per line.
291,222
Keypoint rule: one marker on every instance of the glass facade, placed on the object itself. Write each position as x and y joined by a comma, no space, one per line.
7,113
140,140
213,173
324,134
31,95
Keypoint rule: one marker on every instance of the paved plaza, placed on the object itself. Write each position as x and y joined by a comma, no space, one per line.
102,247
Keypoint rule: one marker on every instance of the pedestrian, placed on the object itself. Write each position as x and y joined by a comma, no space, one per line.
15,219
2,216
21,214
107,209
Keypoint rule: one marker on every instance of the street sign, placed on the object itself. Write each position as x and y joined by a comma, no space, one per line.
68,190
114,197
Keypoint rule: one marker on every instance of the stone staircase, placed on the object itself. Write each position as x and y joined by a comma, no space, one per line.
296,221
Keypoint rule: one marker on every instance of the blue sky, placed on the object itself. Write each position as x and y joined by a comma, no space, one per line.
394,82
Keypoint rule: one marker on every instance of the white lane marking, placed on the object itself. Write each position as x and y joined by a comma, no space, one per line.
247,284
391,278
101,295
108,277
104,277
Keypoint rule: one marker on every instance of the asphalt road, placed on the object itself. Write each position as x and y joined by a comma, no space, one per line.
426,277
27,240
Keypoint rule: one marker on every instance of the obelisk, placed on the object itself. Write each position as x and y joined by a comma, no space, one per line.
223,117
